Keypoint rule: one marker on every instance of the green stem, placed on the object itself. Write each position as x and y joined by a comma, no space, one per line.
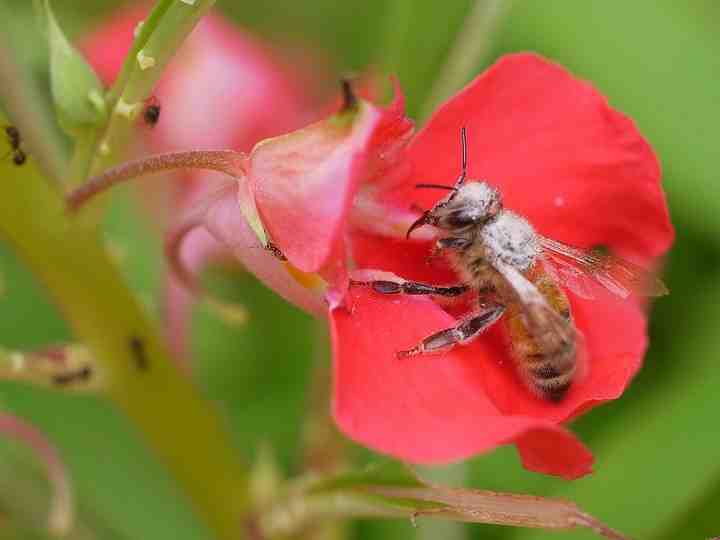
295,516
471,45
324,449
85,147
181,426
452,475
162,33
397,24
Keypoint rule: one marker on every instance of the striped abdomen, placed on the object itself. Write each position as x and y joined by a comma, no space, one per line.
545,353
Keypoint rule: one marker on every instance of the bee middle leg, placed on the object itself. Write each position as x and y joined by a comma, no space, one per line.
413,288
461,333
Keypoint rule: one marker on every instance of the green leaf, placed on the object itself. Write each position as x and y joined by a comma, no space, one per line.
383,473
76,90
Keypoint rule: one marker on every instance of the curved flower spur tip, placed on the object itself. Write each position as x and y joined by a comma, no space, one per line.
304,183
586,177
189,248
430,409
198,250
60,519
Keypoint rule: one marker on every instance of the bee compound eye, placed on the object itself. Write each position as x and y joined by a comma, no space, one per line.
462,218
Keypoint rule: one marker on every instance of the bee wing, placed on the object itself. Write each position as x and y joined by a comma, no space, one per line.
576,268
545,324
568,275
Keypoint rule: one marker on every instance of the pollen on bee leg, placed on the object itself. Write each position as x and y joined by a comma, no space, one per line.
436,343
415,351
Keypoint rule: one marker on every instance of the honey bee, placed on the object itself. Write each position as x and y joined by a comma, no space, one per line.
517,275
13,135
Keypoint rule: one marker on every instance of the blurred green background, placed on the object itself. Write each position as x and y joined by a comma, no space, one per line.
658,464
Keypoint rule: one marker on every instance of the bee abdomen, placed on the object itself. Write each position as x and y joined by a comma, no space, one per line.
551,375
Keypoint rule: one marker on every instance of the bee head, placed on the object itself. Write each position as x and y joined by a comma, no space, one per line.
465,207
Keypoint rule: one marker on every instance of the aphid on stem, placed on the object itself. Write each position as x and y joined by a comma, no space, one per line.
15,140
151,112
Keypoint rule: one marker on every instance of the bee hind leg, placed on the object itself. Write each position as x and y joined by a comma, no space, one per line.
461,333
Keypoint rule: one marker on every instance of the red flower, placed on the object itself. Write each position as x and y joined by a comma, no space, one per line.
341,193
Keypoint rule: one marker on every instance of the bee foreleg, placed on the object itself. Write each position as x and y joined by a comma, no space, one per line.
463,332
413,288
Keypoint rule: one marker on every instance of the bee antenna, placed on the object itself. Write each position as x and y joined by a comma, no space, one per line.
436,186
464,146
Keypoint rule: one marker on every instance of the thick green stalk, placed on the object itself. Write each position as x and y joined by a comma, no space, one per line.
181,426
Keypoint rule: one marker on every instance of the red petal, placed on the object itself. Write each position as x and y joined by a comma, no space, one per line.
613,333
305,182
427,409
408,259
576,168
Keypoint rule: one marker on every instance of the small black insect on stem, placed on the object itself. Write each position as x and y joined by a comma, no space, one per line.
13,135
80,375
275,251
349,97
137,347
151,114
